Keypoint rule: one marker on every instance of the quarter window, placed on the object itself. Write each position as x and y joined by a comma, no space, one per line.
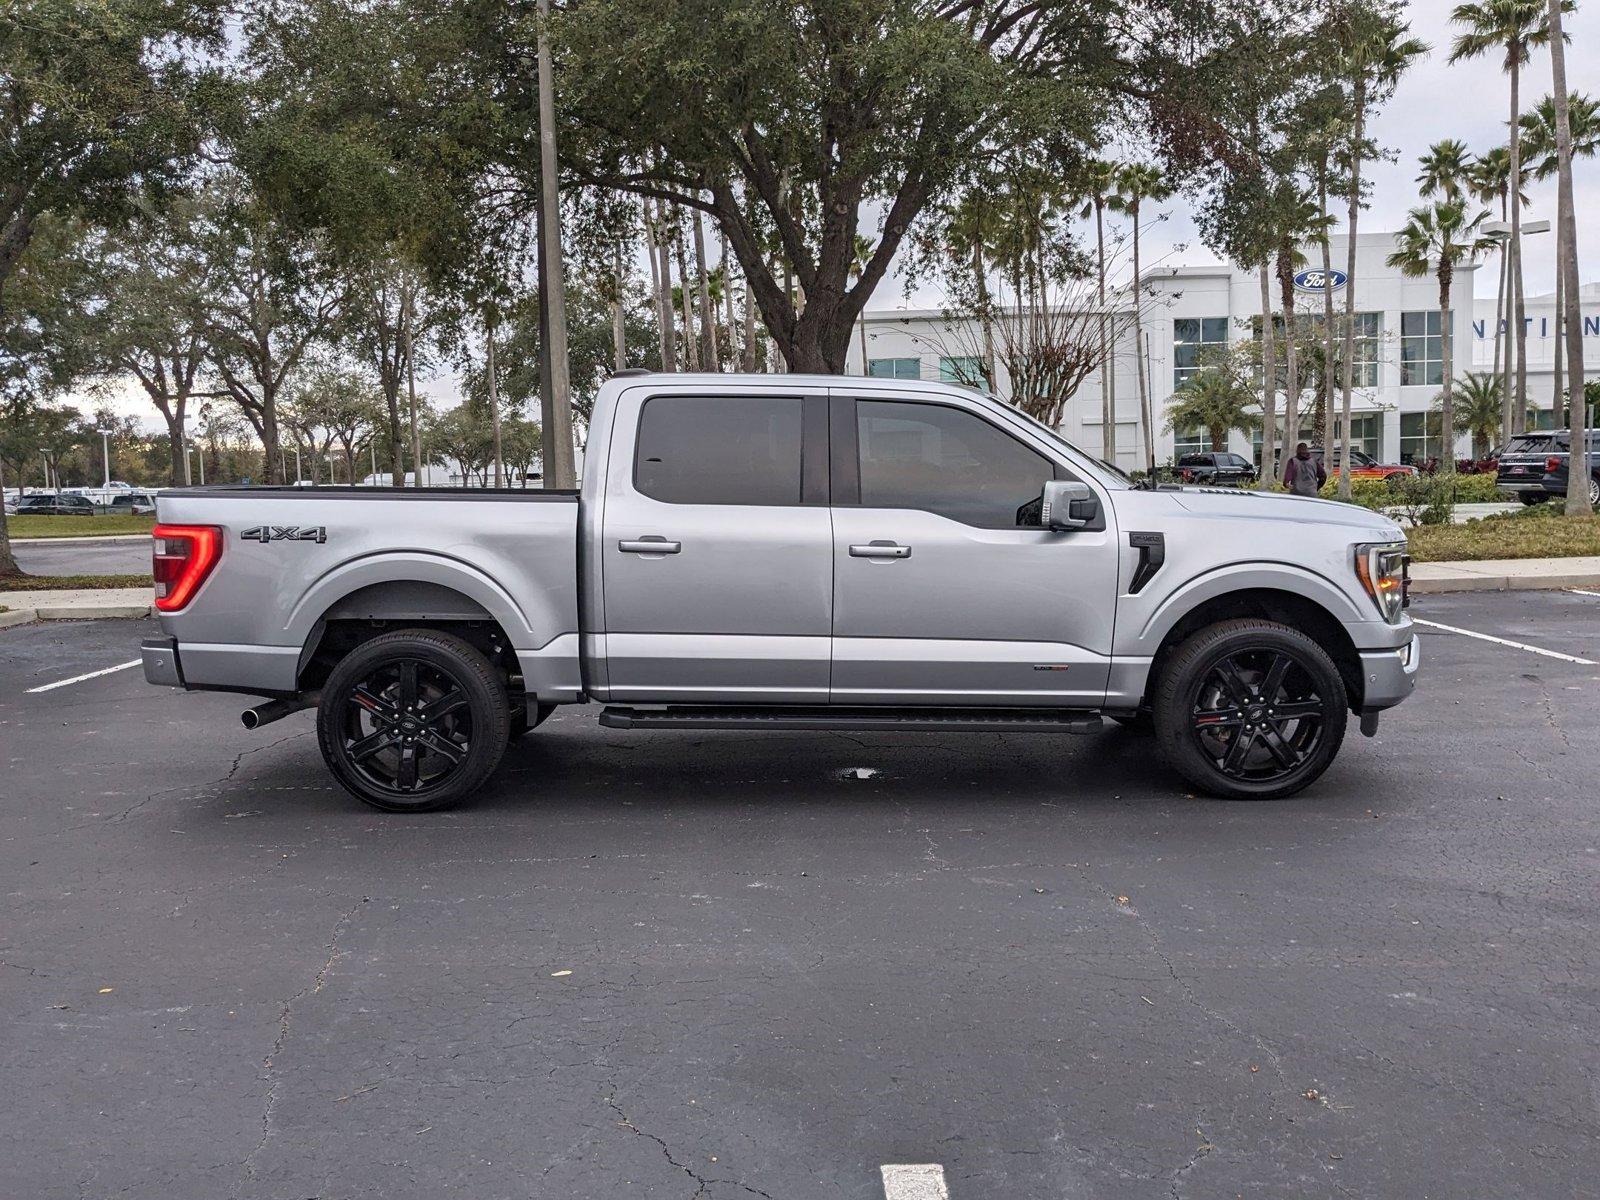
947,461
720,450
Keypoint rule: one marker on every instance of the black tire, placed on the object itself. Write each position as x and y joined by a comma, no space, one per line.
1218,726
1532,498
413,721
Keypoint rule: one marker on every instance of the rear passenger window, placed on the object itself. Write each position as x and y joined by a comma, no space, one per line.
720,450
947,461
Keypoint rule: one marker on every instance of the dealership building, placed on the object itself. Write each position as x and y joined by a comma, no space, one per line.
1398,360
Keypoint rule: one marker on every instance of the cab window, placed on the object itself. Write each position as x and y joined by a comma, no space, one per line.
720,450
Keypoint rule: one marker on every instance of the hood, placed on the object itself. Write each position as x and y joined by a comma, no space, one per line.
1242,504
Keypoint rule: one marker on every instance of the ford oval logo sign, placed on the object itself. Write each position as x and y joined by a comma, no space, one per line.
1319,281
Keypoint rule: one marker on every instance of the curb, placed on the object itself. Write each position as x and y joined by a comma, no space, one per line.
17,616
1503,583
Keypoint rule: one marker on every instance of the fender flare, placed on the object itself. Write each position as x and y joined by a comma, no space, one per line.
1243,577
420,566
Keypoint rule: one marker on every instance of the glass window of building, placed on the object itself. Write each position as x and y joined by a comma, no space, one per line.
961,368
1364,371
1193,440
895,368
1421,349
1366,433
1419,437
1190,337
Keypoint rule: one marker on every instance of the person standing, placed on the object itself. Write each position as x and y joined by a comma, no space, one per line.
1304,475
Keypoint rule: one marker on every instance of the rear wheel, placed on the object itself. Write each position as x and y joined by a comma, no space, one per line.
1250,709
413,720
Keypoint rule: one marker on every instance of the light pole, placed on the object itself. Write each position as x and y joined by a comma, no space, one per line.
45,455
105,445
297,462
373,446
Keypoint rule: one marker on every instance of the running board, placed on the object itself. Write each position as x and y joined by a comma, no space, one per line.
896,720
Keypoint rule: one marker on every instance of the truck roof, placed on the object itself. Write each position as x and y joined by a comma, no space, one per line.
784,379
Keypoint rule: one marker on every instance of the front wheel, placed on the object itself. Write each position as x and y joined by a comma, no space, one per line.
413,720
1250,710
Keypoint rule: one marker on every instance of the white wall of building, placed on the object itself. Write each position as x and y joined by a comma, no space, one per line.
1217,294
1541,326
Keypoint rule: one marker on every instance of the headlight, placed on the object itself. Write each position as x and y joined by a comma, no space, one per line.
1384,570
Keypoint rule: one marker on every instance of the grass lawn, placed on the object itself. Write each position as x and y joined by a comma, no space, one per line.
1533,533
63,583
61,527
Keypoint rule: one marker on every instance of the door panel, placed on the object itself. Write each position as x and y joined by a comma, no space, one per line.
976,608
741,608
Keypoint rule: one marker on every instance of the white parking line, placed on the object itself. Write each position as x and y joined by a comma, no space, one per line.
914,1181
1581,592
50,687
1485,637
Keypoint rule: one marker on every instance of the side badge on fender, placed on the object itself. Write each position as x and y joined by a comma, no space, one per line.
286,533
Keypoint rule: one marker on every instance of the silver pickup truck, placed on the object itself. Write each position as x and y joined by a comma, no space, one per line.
791,552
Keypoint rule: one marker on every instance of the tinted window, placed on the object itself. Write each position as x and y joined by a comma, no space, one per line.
947,461
1195,460
720,450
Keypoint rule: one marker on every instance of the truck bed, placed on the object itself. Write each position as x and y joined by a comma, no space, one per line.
294,557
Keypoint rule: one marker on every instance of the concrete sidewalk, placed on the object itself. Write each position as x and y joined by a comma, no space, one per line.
78,604
1505,575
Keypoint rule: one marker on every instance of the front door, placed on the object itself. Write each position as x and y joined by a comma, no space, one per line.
946,590
717,550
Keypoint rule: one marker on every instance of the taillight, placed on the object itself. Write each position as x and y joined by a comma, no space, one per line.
183,555
1552,464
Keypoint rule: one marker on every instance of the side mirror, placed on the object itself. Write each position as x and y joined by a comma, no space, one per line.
1067,504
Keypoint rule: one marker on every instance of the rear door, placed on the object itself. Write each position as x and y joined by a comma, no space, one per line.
946,590
716,548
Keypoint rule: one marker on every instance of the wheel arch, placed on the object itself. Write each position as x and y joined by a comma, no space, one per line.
1286,607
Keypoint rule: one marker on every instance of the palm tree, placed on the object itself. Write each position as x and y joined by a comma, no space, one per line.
1216,398
1375,52
1489,179
1298,221
1099,184
1446,168
1540,150
1138,184
970,229
1514,27
1475,409
1437,237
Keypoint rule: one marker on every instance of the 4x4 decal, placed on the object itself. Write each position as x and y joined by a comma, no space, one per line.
286,533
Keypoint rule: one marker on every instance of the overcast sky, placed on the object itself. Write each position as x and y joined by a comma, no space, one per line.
1435,100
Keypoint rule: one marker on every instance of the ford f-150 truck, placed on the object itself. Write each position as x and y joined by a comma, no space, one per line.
791,552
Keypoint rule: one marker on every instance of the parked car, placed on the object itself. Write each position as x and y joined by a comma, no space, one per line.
137,503
1362,465
1520,473
1557,463
790,552
63,505
1215,467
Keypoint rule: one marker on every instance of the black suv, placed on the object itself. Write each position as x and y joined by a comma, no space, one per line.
1558,462
1215,467
55,506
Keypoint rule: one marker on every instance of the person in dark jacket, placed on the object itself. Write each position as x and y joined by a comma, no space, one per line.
1304,475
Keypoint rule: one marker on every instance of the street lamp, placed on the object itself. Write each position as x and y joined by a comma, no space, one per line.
105,445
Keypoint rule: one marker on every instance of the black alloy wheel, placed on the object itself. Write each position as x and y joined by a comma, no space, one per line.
1250,709
413,720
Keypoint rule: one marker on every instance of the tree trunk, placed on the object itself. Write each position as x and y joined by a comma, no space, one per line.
1447,422
1578,470
1347,373
619,325
494,398
409,307
661,281
1108,393
8,561
1291,390
691,344
1558,363
1502,326
1269,382
727,303
558,464
1138,353
750,358
1519,402
708,325
1325,384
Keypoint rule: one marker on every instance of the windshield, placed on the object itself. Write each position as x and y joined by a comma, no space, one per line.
1055,436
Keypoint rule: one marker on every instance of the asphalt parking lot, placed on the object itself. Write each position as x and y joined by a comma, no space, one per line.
726,965
84,556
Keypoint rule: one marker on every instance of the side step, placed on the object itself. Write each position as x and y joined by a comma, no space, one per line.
897,720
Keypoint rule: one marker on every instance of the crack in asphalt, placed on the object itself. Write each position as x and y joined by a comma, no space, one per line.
1200,1152
702,1183
285,1020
